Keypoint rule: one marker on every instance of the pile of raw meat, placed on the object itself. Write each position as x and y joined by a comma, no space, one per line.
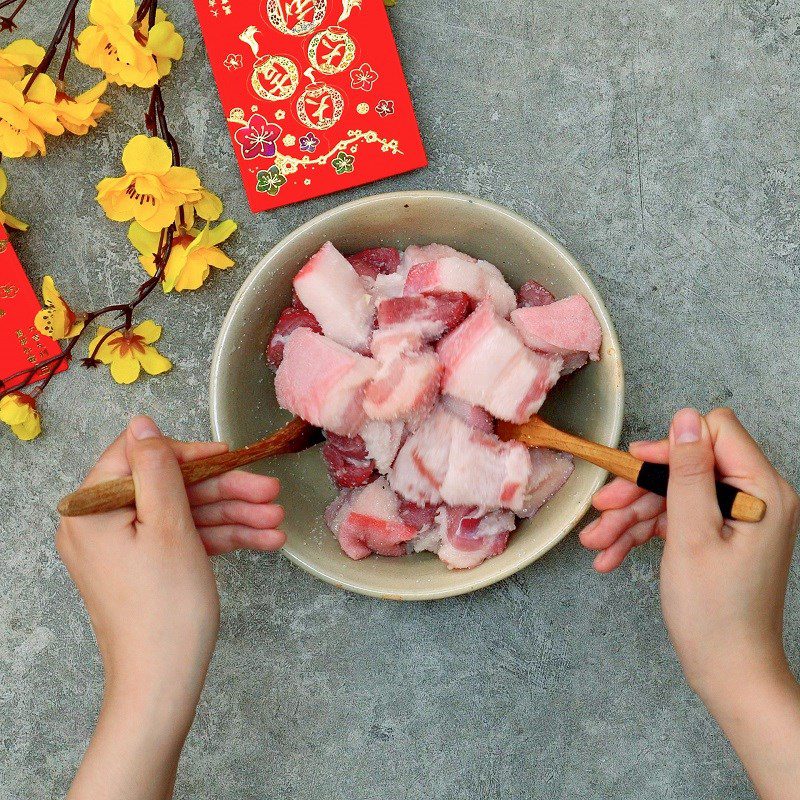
406,360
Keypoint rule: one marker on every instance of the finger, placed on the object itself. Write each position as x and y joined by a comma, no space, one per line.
617,494
227,538
192,451
612,557
236,485
738,456
113,463
160,491
237,512
694,515
614,523
654,452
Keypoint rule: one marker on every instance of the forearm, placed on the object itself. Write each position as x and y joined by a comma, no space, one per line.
760,715
134,752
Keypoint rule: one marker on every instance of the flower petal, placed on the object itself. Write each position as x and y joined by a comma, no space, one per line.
147,154
146,242
30,428
153,362
148,330
125,369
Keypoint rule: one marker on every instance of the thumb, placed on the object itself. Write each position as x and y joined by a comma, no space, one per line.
160,491
692,509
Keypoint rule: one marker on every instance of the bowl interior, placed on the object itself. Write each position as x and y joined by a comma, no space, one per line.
244,409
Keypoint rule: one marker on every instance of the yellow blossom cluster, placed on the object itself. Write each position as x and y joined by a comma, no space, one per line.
163,202
128,50
30,109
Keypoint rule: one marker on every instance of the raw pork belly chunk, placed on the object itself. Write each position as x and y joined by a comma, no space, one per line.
486,364
448,461
368,521
406,360
478,279
567,328
403,386
333,292
323,382
468,539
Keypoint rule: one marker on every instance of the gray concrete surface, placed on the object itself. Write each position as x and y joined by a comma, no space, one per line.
658,140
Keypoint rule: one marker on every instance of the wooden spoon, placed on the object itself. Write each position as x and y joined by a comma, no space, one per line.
299,435
733,504
293,437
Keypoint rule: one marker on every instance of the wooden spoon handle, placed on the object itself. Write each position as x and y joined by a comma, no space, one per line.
120,492
733,503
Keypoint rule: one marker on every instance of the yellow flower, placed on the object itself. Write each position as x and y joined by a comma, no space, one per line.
129,52
24,119
152,190
18,55
192,256
128,352
56,320
6,218
208,207
18,411
79,114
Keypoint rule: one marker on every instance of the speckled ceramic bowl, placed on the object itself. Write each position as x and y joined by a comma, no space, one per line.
243,406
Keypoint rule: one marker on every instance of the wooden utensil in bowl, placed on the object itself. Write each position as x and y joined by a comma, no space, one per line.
733,503
295,436
299,435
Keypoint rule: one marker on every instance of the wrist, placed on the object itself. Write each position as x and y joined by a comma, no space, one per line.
741,681
160,711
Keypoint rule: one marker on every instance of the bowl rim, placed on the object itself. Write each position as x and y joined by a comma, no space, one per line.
476,583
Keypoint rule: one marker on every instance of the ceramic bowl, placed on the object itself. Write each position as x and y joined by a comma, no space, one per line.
242,396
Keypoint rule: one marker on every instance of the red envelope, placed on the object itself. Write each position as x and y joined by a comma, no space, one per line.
21,345
314,95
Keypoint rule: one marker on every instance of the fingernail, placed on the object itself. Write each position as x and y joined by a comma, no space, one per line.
144,428
686,427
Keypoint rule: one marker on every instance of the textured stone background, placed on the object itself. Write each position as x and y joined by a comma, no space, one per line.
658,140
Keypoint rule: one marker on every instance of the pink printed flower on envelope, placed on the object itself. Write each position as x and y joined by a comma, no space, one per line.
233,61
257,137
363,77
385,107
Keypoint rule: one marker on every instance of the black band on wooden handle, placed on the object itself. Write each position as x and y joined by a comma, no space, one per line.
655,477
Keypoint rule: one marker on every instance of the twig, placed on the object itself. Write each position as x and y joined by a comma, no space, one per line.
44,65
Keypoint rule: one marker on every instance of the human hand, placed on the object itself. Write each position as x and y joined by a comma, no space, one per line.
722,582
146,579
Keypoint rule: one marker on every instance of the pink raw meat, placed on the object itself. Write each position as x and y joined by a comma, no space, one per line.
428,315
483,471
382,441
421,465
323,382
423,254
417,516
445,460
486,364
474,416
468,539
550,471
289,321
403,386
334,293
348,462
478,279
371,523
375,261
534,294
397,340
565,327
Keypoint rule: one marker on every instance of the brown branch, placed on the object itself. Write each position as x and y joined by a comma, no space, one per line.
68,49
44,65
